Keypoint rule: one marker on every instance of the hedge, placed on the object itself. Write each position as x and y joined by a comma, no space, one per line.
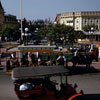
54,56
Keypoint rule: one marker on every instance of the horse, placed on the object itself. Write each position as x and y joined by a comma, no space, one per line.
86,59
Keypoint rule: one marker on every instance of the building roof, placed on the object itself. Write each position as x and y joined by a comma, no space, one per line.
80,13
9,15
1,8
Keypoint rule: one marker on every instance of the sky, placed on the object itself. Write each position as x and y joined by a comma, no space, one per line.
42,9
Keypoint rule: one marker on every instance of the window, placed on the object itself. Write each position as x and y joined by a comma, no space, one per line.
97,20
77,21
69,21
85,21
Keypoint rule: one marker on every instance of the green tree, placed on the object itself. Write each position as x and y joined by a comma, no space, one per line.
12,32
58,33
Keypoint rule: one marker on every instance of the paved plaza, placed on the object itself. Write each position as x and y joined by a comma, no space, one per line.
87,80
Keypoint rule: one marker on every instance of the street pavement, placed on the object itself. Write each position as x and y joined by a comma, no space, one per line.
6,87
87,80
89,83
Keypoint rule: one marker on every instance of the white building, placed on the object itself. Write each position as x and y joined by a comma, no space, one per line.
79,20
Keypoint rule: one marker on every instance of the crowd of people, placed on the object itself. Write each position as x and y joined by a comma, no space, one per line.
35,61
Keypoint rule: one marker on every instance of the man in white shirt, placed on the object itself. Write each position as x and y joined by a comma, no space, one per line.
61,59
75,53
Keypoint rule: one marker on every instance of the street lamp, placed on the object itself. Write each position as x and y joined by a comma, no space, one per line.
26,34
62,40
91,32
26,29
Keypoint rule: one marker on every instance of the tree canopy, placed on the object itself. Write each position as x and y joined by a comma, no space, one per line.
60,33
10,31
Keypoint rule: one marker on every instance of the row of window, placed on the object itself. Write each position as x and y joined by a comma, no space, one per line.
84,21
91,20
69,21
10,20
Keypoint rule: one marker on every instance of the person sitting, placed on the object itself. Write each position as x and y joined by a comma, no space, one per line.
61,59
32,58
24,61
25,86
48,62
39,60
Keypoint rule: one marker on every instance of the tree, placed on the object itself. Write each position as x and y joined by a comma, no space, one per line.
58,33
12,32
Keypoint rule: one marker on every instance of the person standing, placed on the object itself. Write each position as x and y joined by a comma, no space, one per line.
76,52
0,61
8,67
0,39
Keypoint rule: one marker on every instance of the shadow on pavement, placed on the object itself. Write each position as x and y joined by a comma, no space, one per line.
91,97
86,97
82,70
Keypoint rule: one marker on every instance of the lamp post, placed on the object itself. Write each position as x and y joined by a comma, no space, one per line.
26,34
21,19
62,40
91,32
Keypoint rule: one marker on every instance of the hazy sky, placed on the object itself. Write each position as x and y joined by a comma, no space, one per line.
41,9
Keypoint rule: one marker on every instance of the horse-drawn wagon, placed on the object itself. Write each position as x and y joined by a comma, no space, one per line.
86,59
33,55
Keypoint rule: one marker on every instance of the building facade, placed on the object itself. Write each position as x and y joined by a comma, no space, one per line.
7,18
10,19
79,20
2,17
